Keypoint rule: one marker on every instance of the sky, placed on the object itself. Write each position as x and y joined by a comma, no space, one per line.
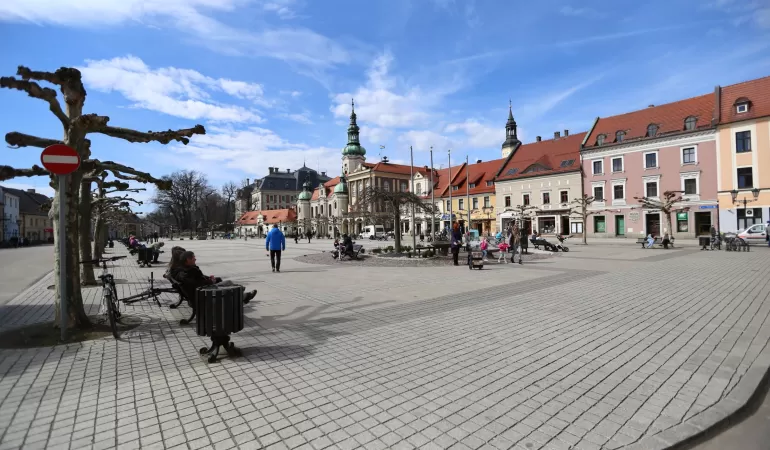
272,80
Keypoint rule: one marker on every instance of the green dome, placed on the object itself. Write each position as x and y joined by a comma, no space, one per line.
341,188
353,149
304,195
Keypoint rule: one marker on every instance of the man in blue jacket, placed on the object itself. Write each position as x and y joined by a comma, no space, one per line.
275,243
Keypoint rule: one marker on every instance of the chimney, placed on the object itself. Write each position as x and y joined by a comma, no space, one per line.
478,161
650,106
538,139
556,134
31,191
323,174
288,170
718,106
270,169
247,181
566,133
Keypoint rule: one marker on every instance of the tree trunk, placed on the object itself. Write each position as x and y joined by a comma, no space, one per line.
75,309
85,207
397,234
98,235
585,228
668,223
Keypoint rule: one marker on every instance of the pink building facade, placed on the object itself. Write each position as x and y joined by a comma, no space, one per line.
644,154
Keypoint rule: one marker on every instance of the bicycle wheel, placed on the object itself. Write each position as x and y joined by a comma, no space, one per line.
111,313
114,292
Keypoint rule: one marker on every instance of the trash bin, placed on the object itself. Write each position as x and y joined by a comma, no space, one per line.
704,242
220,313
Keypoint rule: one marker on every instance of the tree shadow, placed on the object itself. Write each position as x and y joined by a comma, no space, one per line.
277,352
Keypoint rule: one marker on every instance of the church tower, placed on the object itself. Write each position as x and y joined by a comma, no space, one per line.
303,206
354,154
511,139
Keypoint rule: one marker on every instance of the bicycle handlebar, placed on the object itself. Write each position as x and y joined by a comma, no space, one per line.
101,260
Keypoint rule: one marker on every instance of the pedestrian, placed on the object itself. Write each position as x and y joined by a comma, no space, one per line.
155,236
483,246
308,236
275,242
456,242
666,240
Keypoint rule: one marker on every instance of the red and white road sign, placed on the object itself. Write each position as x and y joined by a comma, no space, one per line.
60,159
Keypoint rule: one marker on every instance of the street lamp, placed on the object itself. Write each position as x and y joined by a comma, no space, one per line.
745,200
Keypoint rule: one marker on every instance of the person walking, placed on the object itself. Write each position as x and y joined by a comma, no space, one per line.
275,242
456,242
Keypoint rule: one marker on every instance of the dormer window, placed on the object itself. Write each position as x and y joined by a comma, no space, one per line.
600,139
741,105
472,185
652,130
490,183
690,122
619,136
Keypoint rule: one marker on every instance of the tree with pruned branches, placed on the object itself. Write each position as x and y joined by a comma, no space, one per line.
76,128
522,212
667,203
394,204
579,209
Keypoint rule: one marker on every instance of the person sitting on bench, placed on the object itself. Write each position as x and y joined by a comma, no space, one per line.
191,277
156,251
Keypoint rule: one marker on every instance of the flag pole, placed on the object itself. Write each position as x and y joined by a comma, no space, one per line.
411,183
449,157
432,198
468,192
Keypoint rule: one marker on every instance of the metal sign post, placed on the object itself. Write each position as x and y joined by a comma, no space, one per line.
61,160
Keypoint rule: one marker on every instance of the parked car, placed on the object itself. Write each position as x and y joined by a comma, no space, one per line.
755,234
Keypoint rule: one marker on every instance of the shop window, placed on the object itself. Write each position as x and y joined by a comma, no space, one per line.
546,225
682,222
576,228
599,224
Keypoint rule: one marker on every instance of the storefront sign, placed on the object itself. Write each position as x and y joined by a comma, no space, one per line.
681,216
708,207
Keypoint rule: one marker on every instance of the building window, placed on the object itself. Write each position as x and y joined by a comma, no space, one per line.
682,221
507,200
688,155
651,160
617,164
546,225
486,202
690,122
743,141
471,185
650,189
454,188
475,203
448,206
599,225
419,188
690,186
618,192
546,198
652,130
619,136
564,196
742,108
576,227
490,183
745,178
461,204
598,193
403,187
525,199
598,169
600,139
386,186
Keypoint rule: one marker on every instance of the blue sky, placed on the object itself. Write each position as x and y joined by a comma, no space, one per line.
272,80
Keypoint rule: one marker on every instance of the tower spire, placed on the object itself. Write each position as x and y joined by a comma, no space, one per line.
511,134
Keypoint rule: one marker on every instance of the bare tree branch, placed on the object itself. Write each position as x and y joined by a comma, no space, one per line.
35,91
67,78
144,177
8,172
17,140
98,124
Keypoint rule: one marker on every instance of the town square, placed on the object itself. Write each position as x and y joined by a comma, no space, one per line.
414,224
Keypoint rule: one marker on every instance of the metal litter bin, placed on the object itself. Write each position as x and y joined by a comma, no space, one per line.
220,313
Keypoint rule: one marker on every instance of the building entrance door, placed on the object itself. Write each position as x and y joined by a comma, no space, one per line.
652,223
564,225
620,225
703,223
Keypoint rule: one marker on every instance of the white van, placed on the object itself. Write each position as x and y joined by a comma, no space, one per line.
373,230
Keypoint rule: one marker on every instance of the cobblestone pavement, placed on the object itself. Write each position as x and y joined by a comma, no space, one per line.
599,348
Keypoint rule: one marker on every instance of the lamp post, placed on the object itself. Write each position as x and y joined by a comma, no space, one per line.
744,201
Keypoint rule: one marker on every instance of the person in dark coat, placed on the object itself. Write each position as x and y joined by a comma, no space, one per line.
191,277
456,241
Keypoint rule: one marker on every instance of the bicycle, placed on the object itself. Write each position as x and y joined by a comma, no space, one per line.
109,293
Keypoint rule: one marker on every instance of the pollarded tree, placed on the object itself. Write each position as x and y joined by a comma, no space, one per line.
522,212
76,128
579,209
395,203
670,201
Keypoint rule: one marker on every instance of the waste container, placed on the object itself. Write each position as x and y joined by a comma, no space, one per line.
220,313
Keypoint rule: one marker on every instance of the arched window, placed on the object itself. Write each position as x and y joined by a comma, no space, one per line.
690,122
386,186
419,189
652,130
619,136
600,139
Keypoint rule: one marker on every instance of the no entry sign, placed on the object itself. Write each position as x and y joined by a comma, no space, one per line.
60,159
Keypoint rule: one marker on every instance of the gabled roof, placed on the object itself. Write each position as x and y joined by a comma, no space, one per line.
669,118
270,216
30,202
755,92
479,174
547,157
401,169
328,189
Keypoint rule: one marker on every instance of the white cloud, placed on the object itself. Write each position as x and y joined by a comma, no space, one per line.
294,45
282,8
177,92
423,140
580,12
293,94
303,117
477,135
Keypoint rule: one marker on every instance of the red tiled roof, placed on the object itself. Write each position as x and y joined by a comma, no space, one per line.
543,158
328,188
757,92
401,169
270,216
669,118
478,174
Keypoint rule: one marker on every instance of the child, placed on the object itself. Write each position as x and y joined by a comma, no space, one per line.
484,245
503,247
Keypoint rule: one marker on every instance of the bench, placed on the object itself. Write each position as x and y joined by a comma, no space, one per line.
547,245
419,249
182,297
658,241
357,249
